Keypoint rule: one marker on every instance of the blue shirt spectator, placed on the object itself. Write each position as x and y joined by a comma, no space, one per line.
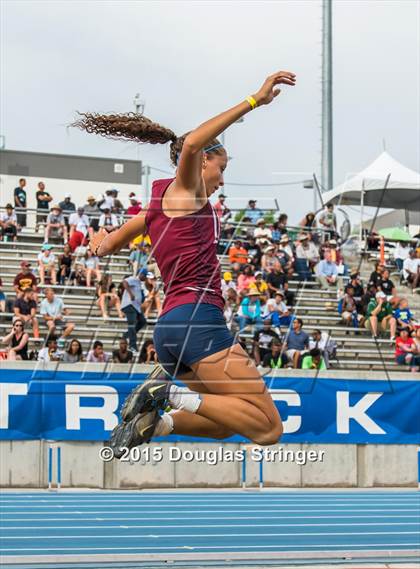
252,212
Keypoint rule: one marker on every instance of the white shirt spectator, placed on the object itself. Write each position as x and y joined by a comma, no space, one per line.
91,262
309,253
44,355
53,309
273,306
81,222
110,220
226,286
261,234
401,252
5,217
93,359
54,218
46,259
137,289
410,266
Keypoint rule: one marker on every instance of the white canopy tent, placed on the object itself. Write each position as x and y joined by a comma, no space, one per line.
367,187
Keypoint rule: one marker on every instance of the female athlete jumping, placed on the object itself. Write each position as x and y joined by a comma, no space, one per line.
225,393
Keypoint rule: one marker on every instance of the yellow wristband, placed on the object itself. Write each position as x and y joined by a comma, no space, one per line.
252,102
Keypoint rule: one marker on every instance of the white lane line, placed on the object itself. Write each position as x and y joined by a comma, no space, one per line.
150,503
326,546
218,525
132,505
206,535
239,497
180,518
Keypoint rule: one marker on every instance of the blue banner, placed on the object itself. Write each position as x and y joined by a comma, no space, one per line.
60,405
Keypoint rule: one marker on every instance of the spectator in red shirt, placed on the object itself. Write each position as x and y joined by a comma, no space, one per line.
221,208
404,350
135,205
25,280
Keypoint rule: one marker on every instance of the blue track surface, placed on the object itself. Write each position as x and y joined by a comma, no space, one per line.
145,523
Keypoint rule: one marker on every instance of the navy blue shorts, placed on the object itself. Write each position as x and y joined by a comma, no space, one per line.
189,333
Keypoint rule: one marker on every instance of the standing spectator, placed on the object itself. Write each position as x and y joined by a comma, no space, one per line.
43,199
148,353
328,221
401,253
79,226
131,305
123,355
54,312
324,342
55,224
262,341
74,354
238,255
108,220
67,207
135,205
97,354
327,272
276,358
152,300
250,311
358,290
252,212
138,258
19,195
49,353
47,264
108,297
25,310
313,360
379,311
91,268
17,342
221,208
308,222
411,269
261,232
276,312
376,275
25,280
118,206
91,209
282,223
296,341
65,262
405,349
8,224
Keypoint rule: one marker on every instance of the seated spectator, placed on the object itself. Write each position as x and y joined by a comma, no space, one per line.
261,286
269,260
404,316
286,255
277,281
139,257
67,207
328,221
238,255
405,349
416,339
358,290
79,226
25,279
313,360
276,358
227,284
252,212
348,309
47,265
55,226
91,268
54,312
8,224
3,297
254,252
148,353
324,342
25,310
123,355
276,312
275,232
307,256
50,352
296,342
245,279
93,212
250,311
282,223
16,342
370,294
108,297
74,353
135,205
401,253
261,232
97,354
262,341
65,262
152,300
231,307
327,272
388,288
20,198
379,312
309,221
108,220
411,269
376,275
43,199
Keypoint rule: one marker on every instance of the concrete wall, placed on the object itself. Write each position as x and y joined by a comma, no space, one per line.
25,464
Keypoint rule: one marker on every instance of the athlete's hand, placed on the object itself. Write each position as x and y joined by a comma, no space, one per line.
269,90
96,240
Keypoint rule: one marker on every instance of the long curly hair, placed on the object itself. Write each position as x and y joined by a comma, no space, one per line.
137,128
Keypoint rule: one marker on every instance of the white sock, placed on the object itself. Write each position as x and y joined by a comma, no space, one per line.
184,398
165,426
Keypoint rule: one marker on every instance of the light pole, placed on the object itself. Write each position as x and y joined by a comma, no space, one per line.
139,105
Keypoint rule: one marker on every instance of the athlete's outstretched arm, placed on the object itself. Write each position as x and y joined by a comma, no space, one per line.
190,162
105,243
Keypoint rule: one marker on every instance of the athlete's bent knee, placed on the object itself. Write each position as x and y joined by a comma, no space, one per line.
222,433
271,436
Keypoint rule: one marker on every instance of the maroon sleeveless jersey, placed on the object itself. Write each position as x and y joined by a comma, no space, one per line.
185,251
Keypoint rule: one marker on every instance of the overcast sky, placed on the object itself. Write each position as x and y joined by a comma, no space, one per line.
191,60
